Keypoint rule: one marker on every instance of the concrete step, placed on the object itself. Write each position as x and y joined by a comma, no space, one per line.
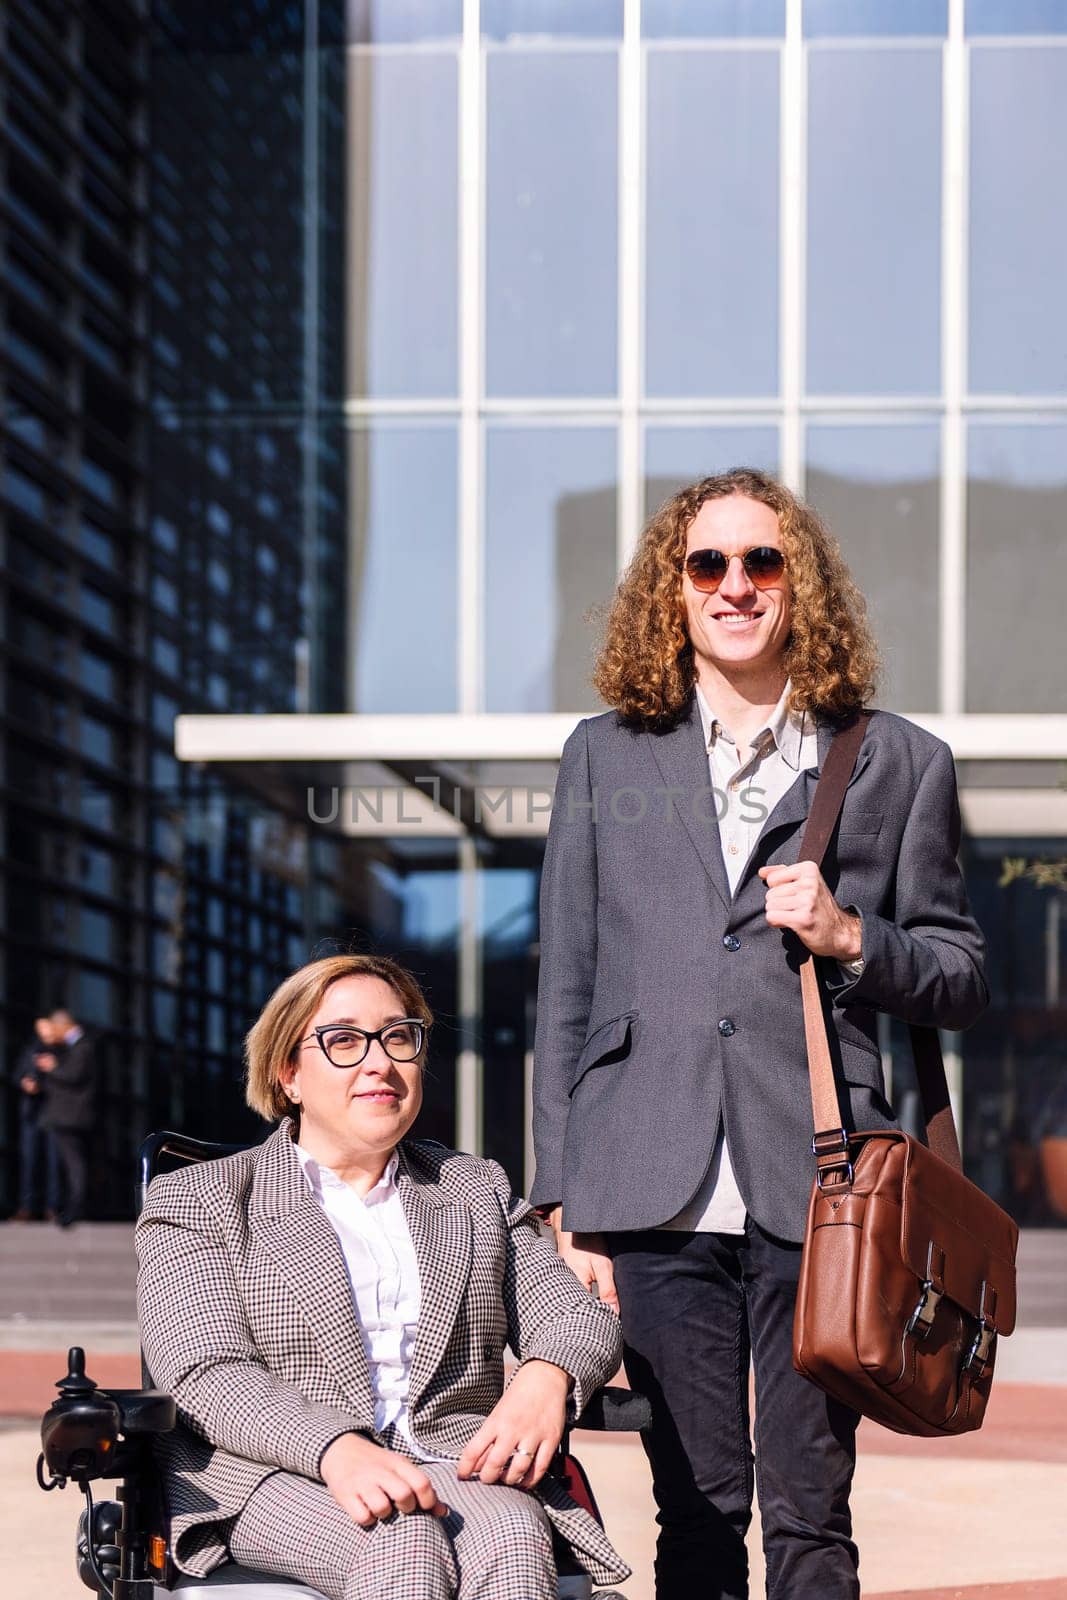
89,1272
1043,1277
85,1273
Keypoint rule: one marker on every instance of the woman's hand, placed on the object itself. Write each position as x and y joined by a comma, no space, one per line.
370,1482
586,1255
516,1442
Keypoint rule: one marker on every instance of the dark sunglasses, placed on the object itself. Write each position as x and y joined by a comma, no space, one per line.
764,565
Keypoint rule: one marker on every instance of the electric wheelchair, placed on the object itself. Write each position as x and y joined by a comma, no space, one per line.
91,1434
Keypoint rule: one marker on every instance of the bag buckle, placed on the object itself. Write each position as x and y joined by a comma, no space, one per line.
981,1349
980,1353
930,1295
922,1318
831,1151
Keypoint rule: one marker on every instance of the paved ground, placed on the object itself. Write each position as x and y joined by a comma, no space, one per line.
981,1518
937,1521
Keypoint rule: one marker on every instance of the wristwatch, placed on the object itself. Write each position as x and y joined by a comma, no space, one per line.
854,968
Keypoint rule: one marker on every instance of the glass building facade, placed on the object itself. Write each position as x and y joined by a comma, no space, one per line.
158,456
423,308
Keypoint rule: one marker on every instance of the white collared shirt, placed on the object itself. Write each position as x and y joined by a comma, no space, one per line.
383,1272
785,746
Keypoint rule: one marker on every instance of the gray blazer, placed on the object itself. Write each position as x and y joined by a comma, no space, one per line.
667,1006
247,1318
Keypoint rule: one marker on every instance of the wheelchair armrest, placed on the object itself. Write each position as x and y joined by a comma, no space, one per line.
144,1410
613,1410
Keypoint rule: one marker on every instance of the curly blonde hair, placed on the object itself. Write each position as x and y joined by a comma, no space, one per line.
645,666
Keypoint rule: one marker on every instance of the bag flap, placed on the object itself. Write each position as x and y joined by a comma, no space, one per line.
959,1237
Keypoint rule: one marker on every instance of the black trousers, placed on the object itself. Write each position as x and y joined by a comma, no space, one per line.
73,1149
695,1308
39,1185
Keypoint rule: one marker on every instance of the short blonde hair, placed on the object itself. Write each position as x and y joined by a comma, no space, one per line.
272,1041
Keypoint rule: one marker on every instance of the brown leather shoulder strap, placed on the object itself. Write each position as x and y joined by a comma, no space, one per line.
826,806
934,1096
829,796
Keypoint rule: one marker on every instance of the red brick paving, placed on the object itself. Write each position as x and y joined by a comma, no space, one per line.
1033,1589
28,1377
1023,1422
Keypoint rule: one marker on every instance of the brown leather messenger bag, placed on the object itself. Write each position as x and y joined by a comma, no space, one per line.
908,1271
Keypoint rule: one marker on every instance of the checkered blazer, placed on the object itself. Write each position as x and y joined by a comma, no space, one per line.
247,1318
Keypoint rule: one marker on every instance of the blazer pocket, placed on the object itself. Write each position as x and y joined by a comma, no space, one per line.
853,821
611,1041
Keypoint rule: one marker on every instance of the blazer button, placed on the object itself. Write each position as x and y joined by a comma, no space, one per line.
730,941
726,1027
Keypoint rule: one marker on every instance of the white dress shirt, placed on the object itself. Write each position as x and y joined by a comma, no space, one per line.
785,746
383,1272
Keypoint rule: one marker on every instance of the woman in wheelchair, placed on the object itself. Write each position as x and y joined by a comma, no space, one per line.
330,1310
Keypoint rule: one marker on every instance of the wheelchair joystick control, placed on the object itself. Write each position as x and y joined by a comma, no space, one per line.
80,1430
76,1380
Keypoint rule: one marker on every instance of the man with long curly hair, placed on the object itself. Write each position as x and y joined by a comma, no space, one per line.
672,1115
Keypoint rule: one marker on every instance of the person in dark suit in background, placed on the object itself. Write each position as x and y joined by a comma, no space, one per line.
38,1153
69,1083
671,1097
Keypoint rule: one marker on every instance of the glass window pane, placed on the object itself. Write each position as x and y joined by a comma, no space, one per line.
877,487
1015,1057
98,609
713,19
1018,228
402,567
552,222
874,221
98,675
403,223
1016,16
539,19
99,741
826,18
550,555
97,869
98,806
98,934
97,544
164,1012
711,206
1016,565
402,21
97,998
675,457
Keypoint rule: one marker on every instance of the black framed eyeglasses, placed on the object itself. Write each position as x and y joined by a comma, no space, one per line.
764,565
345,1045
